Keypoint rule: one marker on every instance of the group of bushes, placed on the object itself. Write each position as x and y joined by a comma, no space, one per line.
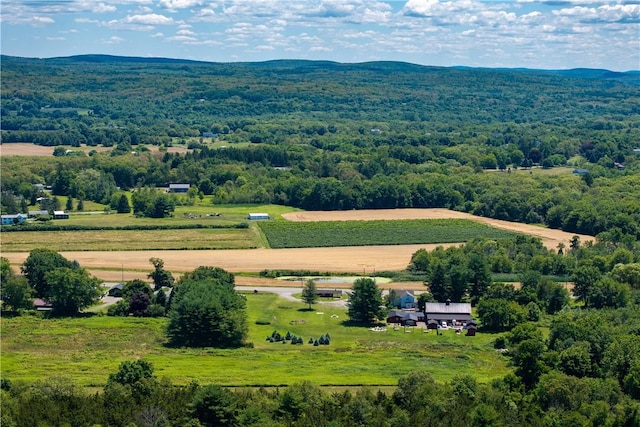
278,337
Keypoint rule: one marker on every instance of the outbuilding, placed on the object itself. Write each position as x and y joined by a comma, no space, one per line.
179,188
257,216
450,313
60,215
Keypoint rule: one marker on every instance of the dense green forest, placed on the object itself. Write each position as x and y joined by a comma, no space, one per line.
324,135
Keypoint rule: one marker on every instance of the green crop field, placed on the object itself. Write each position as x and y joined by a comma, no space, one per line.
87,349
281,234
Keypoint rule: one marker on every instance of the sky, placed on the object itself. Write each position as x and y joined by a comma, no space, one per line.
542,34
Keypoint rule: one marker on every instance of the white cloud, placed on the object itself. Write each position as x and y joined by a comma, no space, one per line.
185,33
148,19
181,39
179,4
320,49
101,7
420,7
113,40
57,39
38,20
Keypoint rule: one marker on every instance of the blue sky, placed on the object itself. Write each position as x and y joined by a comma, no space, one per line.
549,34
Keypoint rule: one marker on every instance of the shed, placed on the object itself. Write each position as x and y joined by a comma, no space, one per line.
256,216
115,290
42,305
329,293
60,215
471,329
179,188
34,214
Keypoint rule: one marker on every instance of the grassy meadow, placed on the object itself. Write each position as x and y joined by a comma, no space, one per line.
87,349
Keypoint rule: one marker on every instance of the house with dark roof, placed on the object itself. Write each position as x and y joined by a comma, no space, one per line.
42,305
116,290
329,293
438,313
405,318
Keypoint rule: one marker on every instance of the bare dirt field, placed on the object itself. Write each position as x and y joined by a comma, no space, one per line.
551,238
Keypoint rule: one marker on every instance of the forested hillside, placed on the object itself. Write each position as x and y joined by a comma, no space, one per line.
324,135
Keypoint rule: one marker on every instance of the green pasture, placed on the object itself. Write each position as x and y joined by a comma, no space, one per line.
202,212
87,349
281,234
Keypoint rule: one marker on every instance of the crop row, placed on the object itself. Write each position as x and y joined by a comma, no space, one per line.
139,227
366,233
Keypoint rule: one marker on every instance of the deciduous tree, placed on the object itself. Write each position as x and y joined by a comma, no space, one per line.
38,264
71,290
207,313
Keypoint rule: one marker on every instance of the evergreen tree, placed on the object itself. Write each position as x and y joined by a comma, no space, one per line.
123,204
365,301
309,293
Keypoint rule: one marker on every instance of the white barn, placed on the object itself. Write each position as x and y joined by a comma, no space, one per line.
254,216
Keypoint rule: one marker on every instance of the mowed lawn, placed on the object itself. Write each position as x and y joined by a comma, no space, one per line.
87,349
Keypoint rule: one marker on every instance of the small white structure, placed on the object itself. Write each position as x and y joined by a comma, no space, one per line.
255,216
179,188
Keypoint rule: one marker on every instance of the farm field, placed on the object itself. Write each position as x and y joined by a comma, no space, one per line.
375,232
86,350
29,149
109,265
116,240
550,237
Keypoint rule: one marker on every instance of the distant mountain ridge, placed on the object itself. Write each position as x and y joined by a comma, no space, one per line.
630,77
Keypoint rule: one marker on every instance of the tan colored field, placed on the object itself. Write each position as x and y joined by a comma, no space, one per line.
367,259
28,149
343,259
